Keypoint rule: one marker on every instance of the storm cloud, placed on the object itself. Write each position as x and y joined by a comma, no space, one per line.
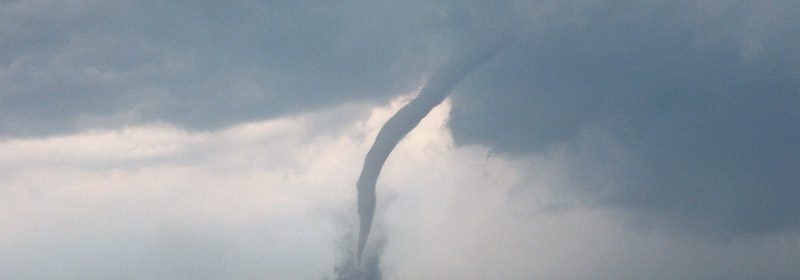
682,115
72,66
678,119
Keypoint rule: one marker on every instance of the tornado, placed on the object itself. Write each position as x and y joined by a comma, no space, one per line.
435,90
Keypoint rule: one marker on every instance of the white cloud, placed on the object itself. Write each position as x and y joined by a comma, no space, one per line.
157,201
270,200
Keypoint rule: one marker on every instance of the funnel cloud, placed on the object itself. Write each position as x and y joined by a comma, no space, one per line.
432,94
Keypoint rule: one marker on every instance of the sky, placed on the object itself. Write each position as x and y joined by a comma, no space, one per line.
223,140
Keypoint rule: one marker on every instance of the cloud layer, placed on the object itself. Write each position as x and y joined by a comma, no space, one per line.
68,66
676,119
683,115
257,201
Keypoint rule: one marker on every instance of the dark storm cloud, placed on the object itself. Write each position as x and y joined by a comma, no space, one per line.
684,115
682,112
204,65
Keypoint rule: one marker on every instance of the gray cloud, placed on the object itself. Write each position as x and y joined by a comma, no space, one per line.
680,123
680,115
204,65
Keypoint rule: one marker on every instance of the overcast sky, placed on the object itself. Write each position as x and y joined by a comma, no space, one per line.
222,140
